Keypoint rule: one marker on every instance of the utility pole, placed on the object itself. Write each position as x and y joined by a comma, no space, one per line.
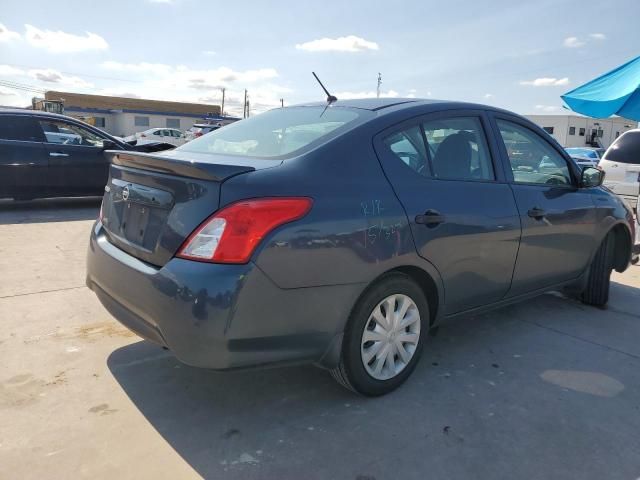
248,109
222,106
282,103
379,83
244,105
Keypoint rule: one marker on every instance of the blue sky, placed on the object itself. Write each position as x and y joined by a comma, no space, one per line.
516,55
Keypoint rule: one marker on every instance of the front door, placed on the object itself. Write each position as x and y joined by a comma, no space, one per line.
462,214
558,218
77,164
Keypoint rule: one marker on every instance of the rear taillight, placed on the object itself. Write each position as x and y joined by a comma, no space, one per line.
232,234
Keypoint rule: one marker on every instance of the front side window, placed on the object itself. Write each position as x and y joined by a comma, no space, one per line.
458,149
141,121
64,133
408,146
532,159
277,133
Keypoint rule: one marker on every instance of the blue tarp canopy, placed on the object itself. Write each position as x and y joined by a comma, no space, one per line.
614,93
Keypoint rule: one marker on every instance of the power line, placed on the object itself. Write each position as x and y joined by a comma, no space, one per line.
21,86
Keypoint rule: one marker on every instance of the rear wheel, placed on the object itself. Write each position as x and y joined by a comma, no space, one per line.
597,291
384,336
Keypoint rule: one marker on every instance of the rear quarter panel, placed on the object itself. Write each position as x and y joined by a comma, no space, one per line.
356,229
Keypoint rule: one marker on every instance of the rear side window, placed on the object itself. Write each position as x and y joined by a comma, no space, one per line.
276,133
20,127
458,149
626,149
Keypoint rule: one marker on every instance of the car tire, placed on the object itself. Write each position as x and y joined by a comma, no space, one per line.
402,292
597,291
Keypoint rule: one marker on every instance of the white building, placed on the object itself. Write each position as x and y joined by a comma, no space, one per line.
573,130
123,116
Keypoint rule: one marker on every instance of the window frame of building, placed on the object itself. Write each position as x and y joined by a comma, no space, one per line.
141,121
582,132
549,130
173,123
99,122
572,130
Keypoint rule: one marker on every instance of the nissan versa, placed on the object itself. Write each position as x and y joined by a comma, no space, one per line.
339,234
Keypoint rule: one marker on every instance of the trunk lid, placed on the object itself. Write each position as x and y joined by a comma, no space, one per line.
152,202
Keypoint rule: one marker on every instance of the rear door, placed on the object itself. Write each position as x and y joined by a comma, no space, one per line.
558,218
462,213
23,159
77,164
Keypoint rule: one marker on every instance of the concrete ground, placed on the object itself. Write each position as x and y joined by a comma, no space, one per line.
548,389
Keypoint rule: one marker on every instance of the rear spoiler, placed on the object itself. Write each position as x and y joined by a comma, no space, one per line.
156,162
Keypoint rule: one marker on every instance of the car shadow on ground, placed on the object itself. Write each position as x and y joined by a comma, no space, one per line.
49,210
480,380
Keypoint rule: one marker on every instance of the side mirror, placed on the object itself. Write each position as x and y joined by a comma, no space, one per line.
591,177
109,145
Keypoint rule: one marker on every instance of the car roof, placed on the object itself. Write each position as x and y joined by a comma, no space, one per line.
37,113
383,106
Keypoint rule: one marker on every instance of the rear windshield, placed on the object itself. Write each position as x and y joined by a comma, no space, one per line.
626,149
276,133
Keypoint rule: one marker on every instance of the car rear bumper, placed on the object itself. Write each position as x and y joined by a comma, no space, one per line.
217,316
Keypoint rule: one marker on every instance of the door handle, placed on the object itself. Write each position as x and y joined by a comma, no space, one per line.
536,213
58,154
431,218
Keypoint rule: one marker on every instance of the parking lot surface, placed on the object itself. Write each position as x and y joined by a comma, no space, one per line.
547,389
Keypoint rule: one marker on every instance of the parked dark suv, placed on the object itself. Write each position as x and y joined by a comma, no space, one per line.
341,234
48,155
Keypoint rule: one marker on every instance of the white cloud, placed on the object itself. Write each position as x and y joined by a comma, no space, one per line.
598,36
7,92
546,82
167,2
572,42
369,94
350,43
197,79
9,70
139,68
210,53
488,95
547,108
53,76
63,42
7,35
182,83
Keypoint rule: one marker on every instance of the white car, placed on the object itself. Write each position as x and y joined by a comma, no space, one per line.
167,135
621,164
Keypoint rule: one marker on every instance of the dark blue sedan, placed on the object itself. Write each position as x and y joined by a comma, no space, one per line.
341,234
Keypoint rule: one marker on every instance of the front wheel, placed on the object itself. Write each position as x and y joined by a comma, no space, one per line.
597,291
384,336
